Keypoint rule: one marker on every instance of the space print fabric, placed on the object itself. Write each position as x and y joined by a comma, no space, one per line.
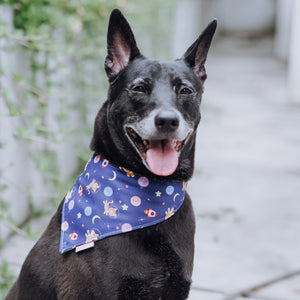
108,200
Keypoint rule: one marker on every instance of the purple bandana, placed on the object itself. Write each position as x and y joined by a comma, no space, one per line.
108,200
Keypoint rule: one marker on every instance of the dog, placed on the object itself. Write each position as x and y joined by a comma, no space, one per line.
148,126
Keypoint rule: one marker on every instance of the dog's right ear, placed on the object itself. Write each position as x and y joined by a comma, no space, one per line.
121,45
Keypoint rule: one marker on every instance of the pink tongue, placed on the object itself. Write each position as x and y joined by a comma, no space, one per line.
162,159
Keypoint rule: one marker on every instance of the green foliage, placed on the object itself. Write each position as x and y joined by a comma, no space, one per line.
4,207
7,278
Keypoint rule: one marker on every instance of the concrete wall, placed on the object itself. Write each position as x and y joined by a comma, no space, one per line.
18,172
246,19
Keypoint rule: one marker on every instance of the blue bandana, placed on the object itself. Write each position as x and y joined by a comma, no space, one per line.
108,200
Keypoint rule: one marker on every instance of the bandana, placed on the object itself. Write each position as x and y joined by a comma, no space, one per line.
107,200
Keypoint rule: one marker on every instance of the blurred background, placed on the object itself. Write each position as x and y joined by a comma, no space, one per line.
247,179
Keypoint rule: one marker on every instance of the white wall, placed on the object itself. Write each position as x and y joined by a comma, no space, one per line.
18,170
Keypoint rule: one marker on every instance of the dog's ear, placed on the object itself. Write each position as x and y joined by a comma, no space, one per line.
121,45
196,54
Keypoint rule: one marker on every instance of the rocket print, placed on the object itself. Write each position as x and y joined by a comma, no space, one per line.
108,200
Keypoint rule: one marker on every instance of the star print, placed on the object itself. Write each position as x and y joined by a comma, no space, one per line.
119,216
124,207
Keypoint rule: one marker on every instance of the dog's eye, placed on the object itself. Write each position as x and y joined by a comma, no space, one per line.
185,91
139,89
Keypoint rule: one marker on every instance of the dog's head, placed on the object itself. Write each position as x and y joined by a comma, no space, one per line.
150,119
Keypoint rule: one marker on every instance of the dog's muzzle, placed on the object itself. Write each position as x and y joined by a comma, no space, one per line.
159,139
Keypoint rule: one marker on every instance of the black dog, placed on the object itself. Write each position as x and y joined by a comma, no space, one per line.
147,125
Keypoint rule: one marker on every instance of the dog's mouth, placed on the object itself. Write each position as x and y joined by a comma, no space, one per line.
161,157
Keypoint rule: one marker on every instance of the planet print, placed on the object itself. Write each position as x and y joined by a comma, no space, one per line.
135,201
71,204
143,181
88,211
170,189
108,191
64,226
96,159
126,227
121,205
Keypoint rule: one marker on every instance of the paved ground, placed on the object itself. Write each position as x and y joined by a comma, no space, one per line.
247,182
246,191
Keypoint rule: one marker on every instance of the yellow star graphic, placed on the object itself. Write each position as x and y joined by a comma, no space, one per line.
158,193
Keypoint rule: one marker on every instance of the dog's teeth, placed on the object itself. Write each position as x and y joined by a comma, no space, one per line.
146,143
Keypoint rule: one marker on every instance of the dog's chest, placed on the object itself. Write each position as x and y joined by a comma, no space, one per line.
151,261
148,265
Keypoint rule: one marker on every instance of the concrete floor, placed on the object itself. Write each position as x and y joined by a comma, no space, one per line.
247,184
247,180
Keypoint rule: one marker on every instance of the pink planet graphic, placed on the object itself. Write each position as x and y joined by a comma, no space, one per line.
71,204
135,201
64,226
143,181
126,227
96,159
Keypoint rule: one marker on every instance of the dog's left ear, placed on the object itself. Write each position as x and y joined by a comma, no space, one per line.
121,44
196,54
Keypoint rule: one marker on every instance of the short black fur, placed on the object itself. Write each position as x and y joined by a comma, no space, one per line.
150,263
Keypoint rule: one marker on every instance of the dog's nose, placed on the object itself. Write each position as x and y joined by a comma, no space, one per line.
166,121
